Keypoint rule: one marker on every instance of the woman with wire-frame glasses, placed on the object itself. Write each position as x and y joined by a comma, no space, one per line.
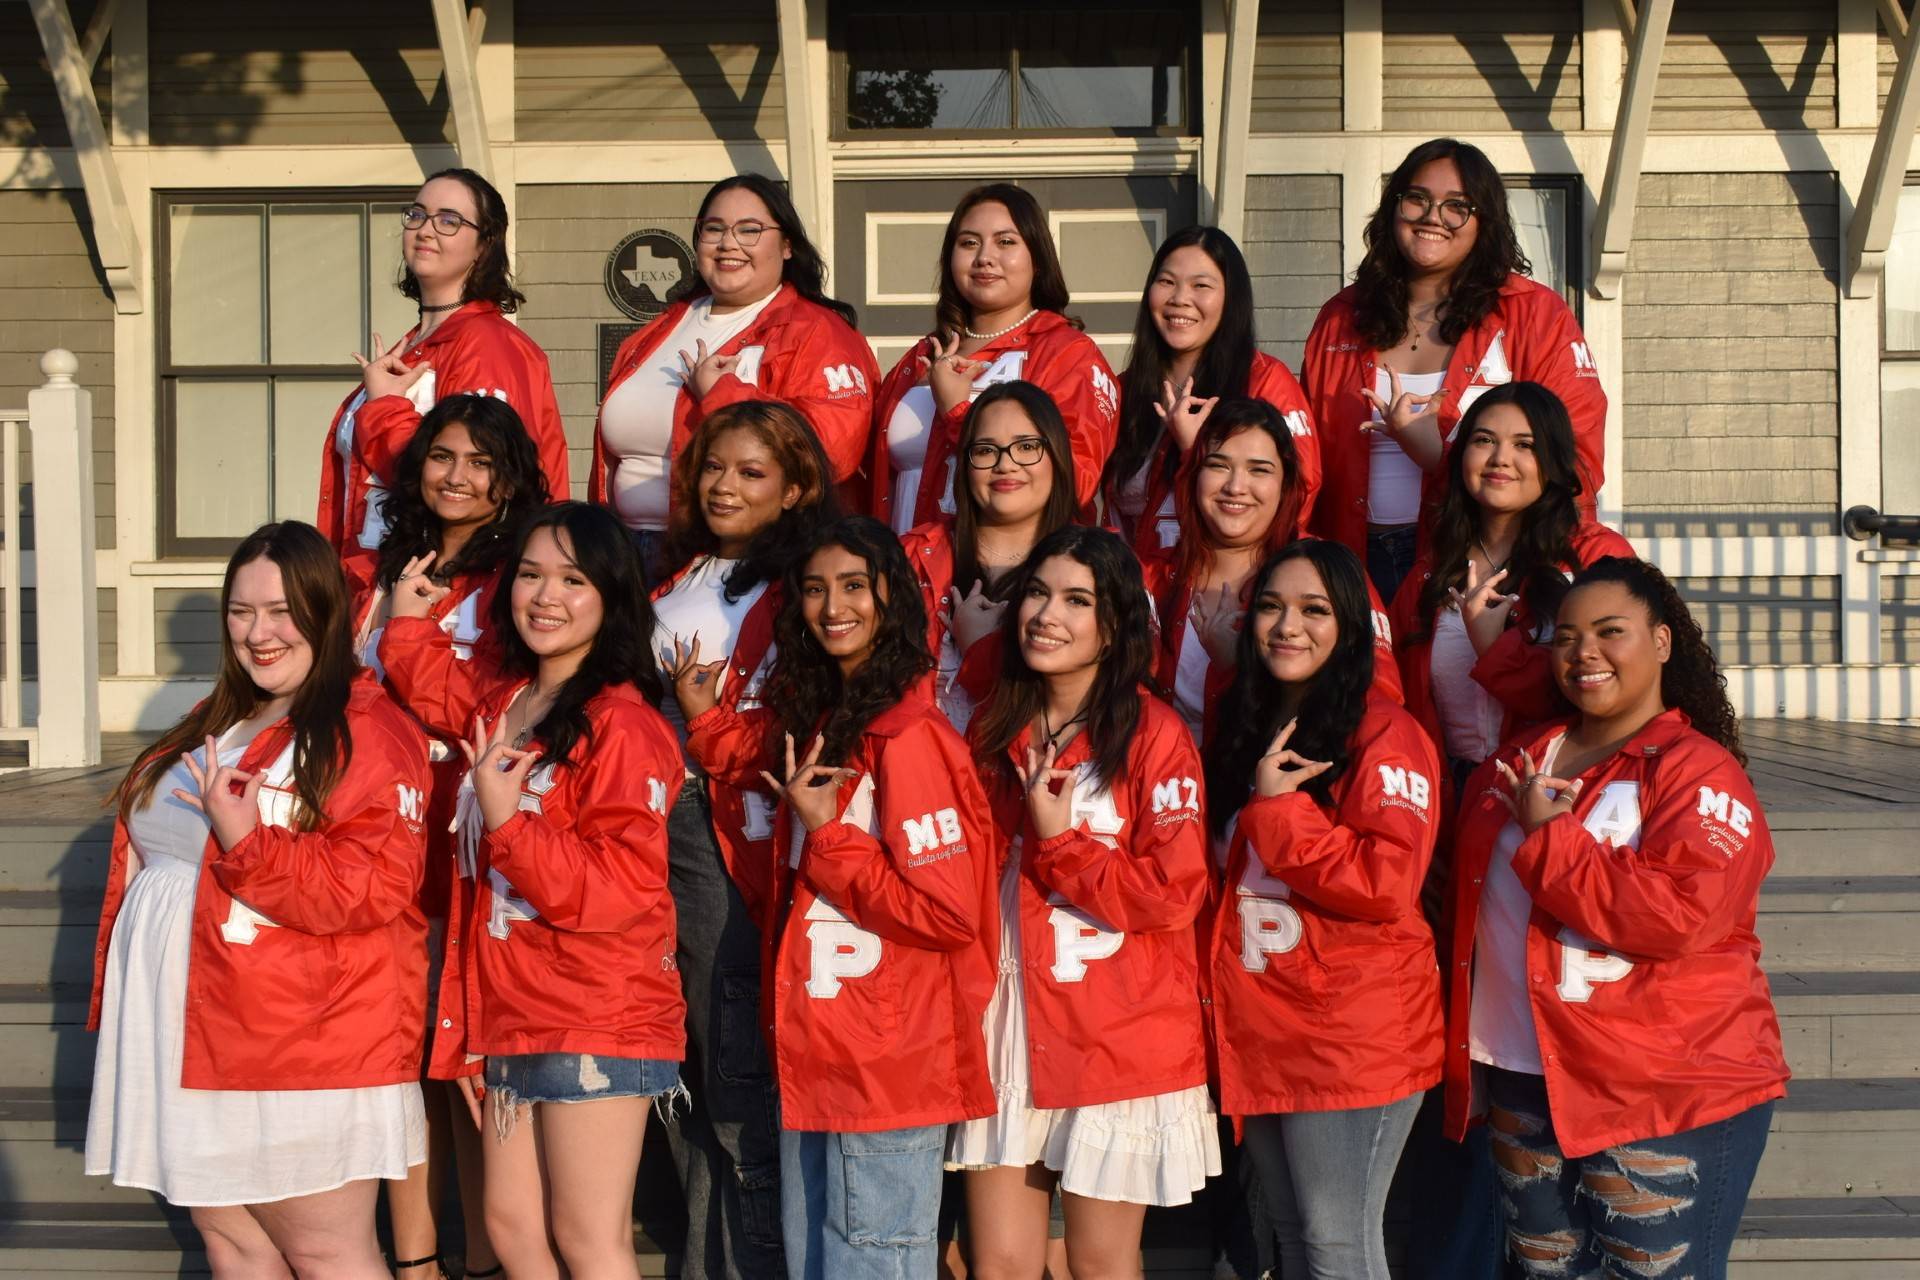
757,326
454,256
1440,310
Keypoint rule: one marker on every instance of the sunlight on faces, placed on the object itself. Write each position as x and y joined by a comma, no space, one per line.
1499,469
1429,247
742,489
432,257
1607,654
1009,493
1294,629
841,603
991,265
456,479
555,609
260,627
739,275
1060,618
1237,489
1185,299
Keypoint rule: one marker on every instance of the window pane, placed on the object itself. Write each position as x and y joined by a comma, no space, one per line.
1540,220
1901,284
302,412
1101,69
928,71
1900,436
215,279
393,312
220,455
314,278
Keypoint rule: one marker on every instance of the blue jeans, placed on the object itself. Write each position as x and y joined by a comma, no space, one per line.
1390,554
861,1206
1648,1208
1326,1174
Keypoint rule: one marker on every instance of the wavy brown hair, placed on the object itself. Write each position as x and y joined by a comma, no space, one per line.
1049,293
491,277
1228,419
317,599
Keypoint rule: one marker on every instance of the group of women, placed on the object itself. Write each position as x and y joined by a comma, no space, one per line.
999,767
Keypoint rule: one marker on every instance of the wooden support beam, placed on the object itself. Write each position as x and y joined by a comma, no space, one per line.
1878,204
1895,21
808,176
457,44
114,237
1613,224
1236,119
1627,16
99,27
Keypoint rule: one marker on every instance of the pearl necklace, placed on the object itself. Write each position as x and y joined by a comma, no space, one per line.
1000,333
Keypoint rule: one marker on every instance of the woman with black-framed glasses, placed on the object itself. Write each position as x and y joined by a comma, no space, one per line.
454,256
757,326
1440,310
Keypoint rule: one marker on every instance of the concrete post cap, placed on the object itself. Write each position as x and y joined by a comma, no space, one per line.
59,365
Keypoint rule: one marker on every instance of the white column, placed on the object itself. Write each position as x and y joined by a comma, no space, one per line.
60,415
806,150
1236,119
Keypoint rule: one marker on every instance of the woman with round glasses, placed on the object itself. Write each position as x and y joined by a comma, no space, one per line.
758,326
1440,310
455,256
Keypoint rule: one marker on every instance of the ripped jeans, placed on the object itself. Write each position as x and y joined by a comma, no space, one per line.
1661,1207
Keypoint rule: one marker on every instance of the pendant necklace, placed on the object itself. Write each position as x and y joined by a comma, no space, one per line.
1053,734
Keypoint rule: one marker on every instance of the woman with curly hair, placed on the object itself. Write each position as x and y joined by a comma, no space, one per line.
1094,1028
455,267
1440,310
1612,1019
1326,1002
1193,343
881,976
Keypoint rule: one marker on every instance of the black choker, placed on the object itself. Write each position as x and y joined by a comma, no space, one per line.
450,306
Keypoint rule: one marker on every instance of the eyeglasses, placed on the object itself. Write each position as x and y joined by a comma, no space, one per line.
1026,451
1415,205
747,233
446,222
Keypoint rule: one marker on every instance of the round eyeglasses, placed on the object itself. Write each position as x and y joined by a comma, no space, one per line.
445,222
1026,451
1415,205
747,233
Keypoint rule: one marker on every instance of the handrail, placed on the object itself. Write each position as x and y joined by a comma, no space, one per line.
1863,522
11,716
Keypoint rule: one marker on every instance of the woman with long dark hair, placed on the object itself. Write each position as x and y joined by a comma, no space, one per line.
260,977
455,267
750,490
1326,1001
1440,310
1014,490
1001,316
758,326
881,976
1610,1016
1193,345
569,946
1094,1026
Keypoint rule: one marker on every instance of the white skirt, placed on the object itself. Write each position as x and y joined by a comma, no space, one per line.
217,1147
1158,1150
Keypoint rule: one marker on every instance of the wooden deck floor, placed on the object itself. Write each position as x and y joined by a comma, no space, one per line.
1807,767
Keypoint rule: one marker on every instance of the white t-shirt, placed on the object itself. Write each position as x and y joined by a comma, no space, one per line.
1394,479
636,422
697,608
1190,680
908,431
1500,1028
1470,717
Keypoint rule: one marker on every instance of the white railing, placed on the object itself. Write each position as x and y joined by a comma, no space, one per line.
65,729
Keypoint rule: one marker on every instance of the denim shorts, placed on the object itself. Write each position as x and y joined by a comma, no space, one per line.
579,1077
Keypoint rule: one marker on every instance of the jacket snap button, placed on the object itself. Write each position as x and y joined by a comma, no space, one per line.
446,1022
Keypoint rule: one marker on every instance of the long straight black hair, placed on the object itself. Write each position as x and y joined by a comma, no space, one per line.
1044,414
805,270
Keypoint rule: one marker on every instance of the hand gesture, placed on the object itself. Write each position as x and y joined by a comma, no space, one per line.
1049,793
812,789
973,616
1401,410
703,368
696,687
950,374
414,591
229,797
1526,796
1182,412
387,374
1483,609
499,771
1282,771
1215,614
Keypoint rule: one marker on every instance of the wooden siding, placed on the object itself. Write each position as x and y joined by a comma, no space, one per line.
607,70
1732,420
1767,621
1900,617
187,631
1292,242
107,610
1513,64
348,71
30,114
1296,67
52,295
564,235
1748,64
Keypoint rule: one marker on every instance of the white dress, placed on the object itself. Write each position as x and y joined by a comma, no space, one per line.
203,1146
1157,1150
